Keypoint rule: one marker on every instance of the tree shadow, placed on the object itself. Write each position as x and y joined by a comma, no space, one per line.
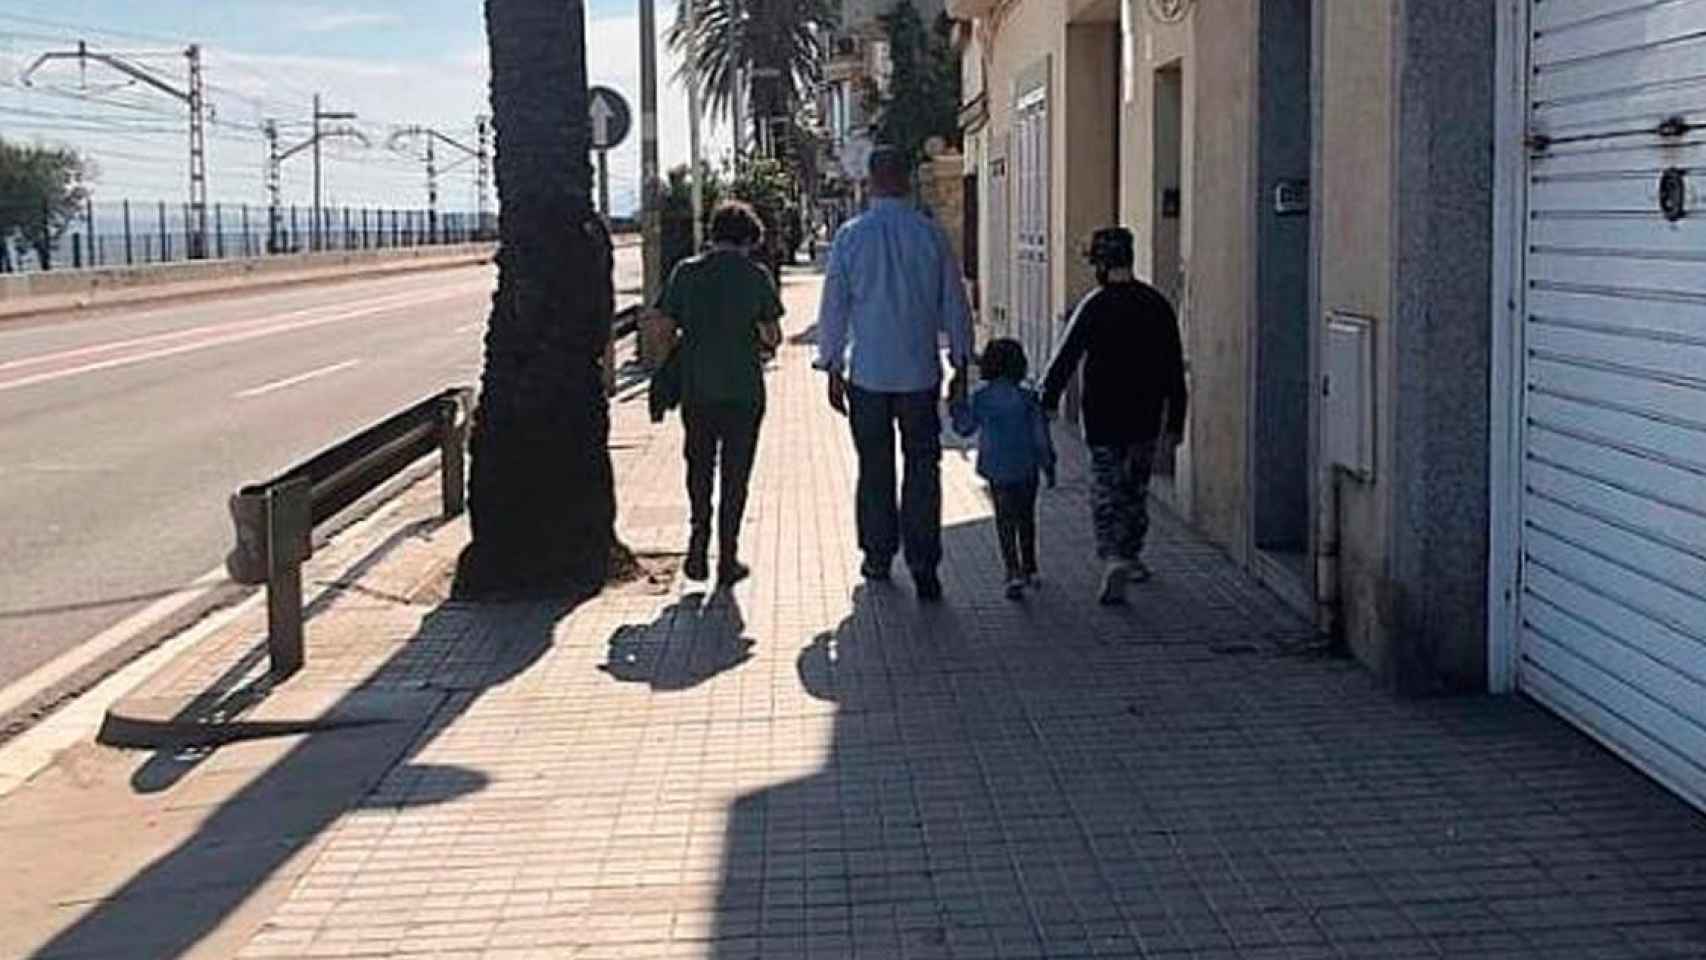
459,652
1056,779
690,642
221,705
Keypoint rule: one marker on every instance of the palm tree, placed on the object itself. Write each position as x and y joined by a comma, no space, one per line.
778,39
541,492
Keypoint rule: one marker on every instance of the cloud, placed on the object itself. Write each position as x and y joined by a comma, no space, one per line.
331,21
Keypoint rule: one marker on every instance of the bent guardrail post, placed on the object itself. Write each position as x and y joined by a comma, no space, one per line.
453,442
290,523
275,520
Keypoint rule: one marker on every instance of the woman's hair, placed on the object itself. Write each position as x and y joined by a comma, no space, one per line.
1003,359
735,223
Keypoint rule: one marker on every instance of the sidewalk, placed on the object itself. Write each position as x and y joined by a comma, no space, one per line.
809,767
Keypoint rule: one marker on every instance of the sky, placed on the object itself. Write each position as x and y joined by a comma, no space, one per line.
396,63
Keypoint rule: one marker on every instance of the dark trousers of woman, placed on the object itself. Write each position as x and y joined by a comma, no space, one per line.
1016,526
721,439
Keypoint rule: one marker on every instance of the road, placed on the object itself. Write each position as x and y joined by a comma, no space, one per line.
122,434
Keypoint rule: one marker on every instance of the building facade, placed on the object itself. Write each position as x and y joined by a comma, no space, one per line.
1437,268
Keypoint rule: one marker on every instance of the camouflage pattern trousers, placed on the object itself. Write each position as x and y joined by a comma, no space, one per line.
1119,498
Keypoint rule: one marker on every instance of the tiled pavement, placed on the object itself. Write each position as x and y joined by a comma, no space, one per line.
809,767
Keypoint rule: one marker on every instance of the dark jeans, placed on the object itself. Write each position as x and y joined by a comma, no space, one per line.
1016,526
917,524
724,435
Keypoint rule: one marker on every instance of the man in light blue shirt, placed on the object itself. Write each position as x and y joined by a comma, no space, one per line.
892,291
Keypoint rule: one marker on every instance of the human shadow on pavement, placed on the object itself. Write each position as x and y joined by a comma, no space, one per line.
690,642
458,652
1055,779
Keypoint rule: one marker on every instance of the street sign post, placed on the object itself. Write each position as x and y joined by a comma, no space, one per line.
612,121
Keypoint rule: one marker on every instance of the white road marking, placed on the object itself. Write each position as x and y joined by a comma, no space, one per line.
405,298
267,388
237,337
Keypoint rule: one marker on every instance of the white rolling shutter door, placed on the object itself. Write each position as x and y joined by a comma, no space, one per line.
1614,373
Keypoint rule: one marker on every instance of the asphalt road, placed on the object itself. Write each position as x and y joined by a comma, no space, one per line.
122,434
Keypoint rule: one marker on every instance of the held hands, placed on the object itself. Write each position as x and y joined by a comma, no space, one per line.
957,387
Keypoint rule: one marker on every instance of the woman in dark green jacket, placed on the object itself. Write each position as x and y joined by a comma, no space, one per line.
729,315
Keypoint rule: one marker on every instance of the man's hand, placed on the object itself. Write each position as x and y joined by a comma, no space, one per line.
838,393
957,387
1050,474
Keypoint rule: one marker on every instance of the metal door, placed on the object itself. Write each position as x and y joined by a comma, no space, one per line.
1613,600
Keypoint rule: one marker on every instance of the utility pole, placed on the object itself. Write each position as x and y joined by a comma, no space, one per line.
695,147
275,188
194,97
483,168
275,164
651,216
435,136
316,240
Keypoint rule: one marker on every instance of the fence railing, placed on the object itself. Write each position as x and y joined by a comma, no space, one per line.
122,233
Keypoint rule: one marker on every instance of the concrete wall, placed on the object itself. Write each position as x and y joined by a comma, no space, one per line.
107,284
1442,280
1406,238
1220,284
1354,201
1090,122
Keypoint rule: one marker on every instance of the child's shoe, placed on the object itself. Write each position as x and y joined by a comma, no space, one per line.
1015,587
1113,583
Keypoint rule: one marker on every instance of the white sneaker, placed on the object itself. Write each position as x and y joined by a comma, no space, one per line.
1113,584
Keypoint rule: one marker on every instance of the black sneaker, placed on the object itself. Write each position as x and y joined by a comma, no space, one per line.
731,572
697,567
874,569
928,587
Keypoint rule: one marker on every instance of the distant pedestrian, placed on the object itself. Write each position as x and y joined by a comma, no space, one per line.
891,292
1125,336
1014,448
729,315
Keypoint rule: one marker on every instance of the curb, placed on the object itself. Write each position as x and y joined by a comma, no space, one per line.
90,710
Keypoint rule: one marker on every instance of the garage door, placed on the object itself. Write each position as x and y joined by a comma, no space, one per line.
1614,468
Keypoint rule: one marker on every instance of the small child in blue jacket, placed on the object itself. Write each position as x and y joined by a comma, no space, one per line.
1013,450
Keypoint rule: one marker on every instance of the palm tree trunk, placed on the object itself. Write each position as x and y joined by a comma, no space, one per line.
541,494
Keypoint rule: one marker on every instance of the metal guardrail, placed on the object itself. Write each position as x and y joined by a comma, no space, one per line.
275,520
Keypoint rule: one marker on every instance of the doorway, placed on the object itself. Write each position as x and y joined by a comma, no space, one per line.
1166,233
1280,455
